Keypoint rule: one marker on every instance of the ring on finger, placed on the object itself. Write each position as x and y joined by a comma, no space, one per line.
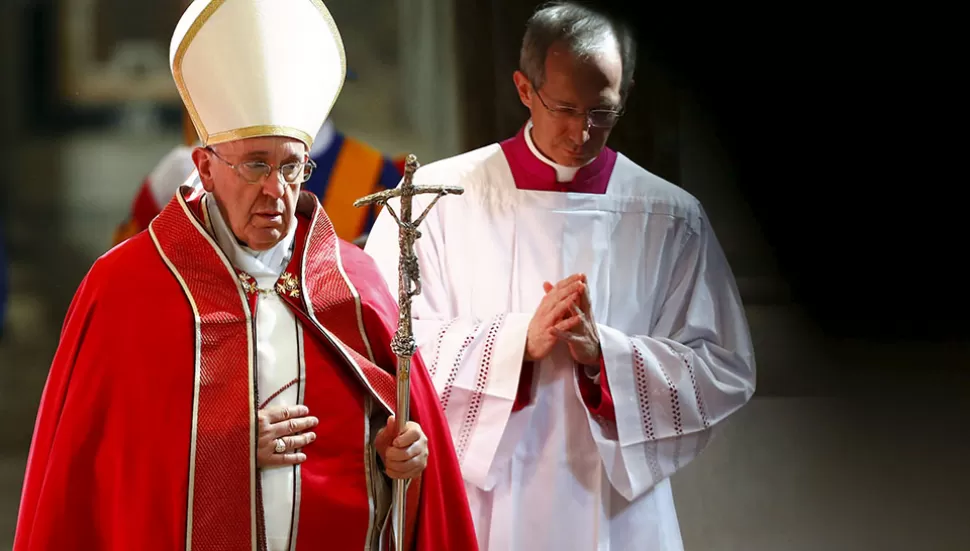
280,446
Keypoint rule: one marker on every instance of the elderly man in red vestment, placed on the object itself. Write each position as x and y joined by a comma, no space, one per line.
224,380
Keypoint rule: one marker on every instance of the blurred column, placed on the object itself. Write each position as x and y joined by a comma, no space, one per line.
428,72
11,16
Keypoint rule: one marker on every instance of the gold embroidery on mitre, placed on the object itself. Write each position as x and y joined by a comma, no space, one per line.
259,130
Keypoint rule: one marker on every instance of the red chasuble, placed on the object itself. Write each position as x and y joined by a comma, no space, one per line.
145,437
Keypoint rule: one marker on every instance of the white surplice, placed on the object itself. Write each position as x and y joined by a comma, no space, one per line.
675,343
277,361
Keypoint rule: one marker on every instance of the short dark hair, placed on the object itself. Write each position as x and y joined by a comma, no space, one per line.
583,30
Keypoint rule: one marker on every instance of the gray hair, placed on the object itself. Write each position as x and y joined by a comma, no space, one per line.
583,30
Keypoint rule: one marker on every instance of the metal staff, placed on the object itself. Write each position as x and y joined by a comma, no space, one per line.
409,285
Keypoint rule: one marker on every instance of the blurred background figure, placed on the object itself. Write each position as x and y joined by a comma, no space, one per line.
828,170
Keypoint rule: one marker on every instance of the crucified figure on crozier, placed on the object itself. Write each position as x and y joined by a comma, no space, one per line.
409,286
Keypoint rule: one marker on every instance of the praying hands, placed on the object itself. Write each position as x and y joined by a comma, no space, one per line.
582,336
554,313
564,315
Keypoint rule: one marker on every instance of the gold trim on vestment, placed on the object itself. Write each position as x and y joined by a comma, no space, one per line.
357,303
196,376
297,471
198,364
312,317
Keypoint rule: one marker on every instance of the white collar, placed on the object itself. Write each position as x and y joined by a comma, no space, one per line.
563,173
266,265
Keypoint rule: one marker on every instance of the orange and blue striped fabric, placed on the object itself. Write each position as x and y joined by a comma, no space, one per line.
346,171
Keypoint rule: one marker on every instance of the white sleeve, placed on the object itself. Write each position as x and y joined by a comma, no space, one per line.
474,364
673,384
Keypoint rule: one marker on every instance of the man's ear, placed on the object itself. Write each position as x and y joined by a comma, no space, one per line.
523,87
204,165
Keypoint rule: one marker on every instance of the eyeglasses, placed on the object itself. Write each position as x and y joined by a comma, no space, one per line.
254,171
600,118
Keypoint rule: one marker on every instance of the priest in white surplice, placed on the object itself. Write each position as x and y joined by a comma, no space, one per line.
580,321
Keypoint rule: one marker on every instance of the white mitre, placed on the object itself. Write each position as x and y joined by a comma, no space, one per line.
248,68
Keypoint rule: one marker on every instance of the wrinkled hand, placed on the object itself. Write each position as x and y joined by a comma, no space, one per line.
554,315
286,423
405,455
582,337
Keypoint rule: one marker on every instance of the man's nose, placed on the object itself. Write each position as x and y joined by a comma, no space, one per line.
579,129
274,185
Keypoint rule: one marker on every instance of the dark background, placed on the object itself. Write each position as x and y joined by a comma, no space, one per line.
846,128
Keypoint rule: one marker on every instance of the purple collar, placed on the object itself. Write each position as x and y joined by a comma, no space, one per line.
532,174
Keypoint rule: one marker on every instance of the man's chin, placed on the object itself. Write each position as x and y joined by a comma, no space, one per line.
575,159
263,240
